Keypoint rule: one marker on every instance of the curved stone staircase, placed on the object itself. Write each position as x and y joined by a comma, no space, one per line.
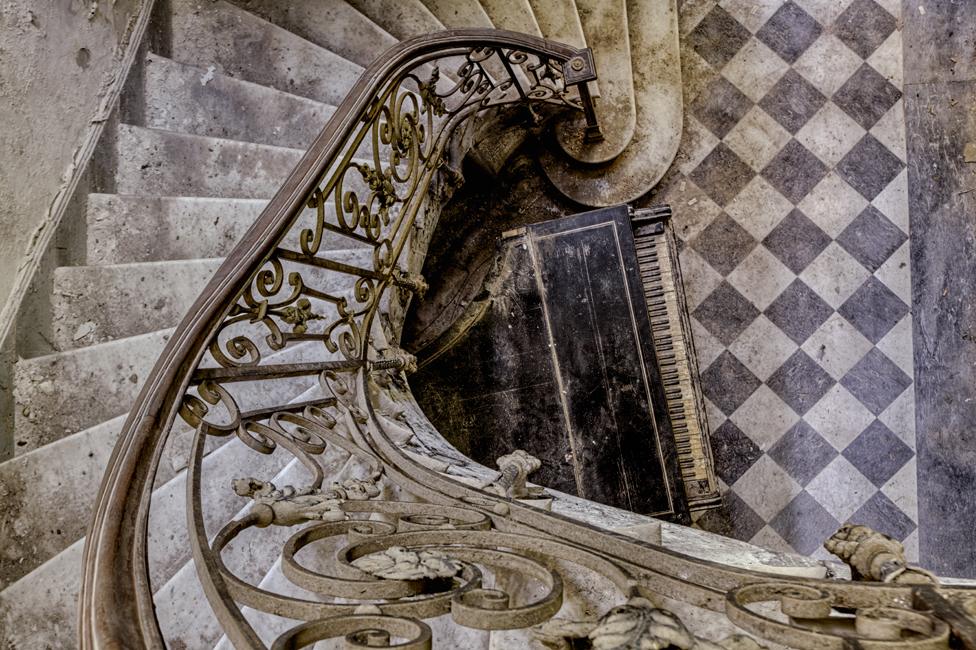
219,110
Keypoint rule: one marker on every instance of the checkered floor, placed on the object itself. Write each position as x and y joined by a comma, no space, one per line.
790,197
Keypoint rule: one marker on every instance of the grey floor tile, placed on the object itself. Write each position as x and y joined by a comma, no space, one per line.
876,381
804,523
866,96
734,452
864,26
796,241
798,311
734,518
802,452
794,171
869,167
718,37
881,514
723,244
871,238
720,106
878,453
722,174
789,32
728,383
792,101
800,382
873,309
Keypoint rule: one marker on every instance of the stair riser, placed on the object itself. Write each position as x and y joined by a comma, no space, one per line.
94,304
240,44
42,611
186,99
333,24
125,229
47,498
162,163
59,394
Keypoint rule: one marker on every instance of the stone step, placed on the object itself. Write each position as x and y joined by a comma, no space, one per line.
48,495
41,611
49,492
653,31
459,13
62,494
337,25
243,45
513,15
559,20
604,25
125,228
401,18
93,304
58,394
165,163
189,99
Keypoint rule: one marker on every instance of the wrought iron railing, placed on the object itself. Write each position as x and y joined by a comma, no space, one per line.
285,309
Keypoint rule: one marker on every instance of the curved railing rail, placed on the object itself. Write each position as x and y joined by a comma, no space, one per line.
288,307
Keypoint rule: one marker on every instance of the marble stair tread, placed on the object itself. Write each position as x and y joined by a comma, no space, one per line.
455,14
653,29
604,25
337,25
189,99
513,15
41,611
154,162
165,163
401,18
124,228
48,496
558,20
93,304
58,394
241,44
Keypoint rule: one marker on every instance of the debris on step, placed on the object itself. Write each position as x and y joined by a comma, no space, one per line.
83,330
208,76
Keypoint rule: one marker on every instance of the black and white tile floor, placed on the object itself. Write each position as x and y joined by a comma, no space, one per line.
790,197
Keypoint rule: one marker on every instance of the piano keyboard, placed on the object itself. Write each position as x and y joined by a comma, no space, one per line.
657,257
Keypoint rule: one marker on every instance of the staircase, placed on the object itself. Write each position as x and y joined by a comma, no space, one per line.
219,109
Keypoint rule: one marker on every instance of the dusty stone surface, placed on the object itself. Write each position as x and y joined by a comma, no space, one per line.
59,394
240,44
189,99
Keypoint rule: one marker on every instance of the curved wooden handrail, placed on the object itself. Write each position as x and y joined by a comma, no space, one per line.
116,608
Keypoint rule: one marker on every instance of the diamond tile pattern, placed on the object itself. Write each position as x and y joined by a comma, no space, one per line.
800,382
789,32
797,241
876,381
792,101
796,137
878,453
871,238
866,96
802,452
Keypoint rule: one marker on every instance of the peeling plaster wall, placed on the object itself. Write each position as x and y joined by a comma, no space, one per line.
57,61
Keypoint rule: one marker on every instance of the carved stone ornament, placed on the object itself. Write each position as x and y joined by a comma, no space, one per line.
354,489
399,563
875,556
289,506
515,468
636,625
